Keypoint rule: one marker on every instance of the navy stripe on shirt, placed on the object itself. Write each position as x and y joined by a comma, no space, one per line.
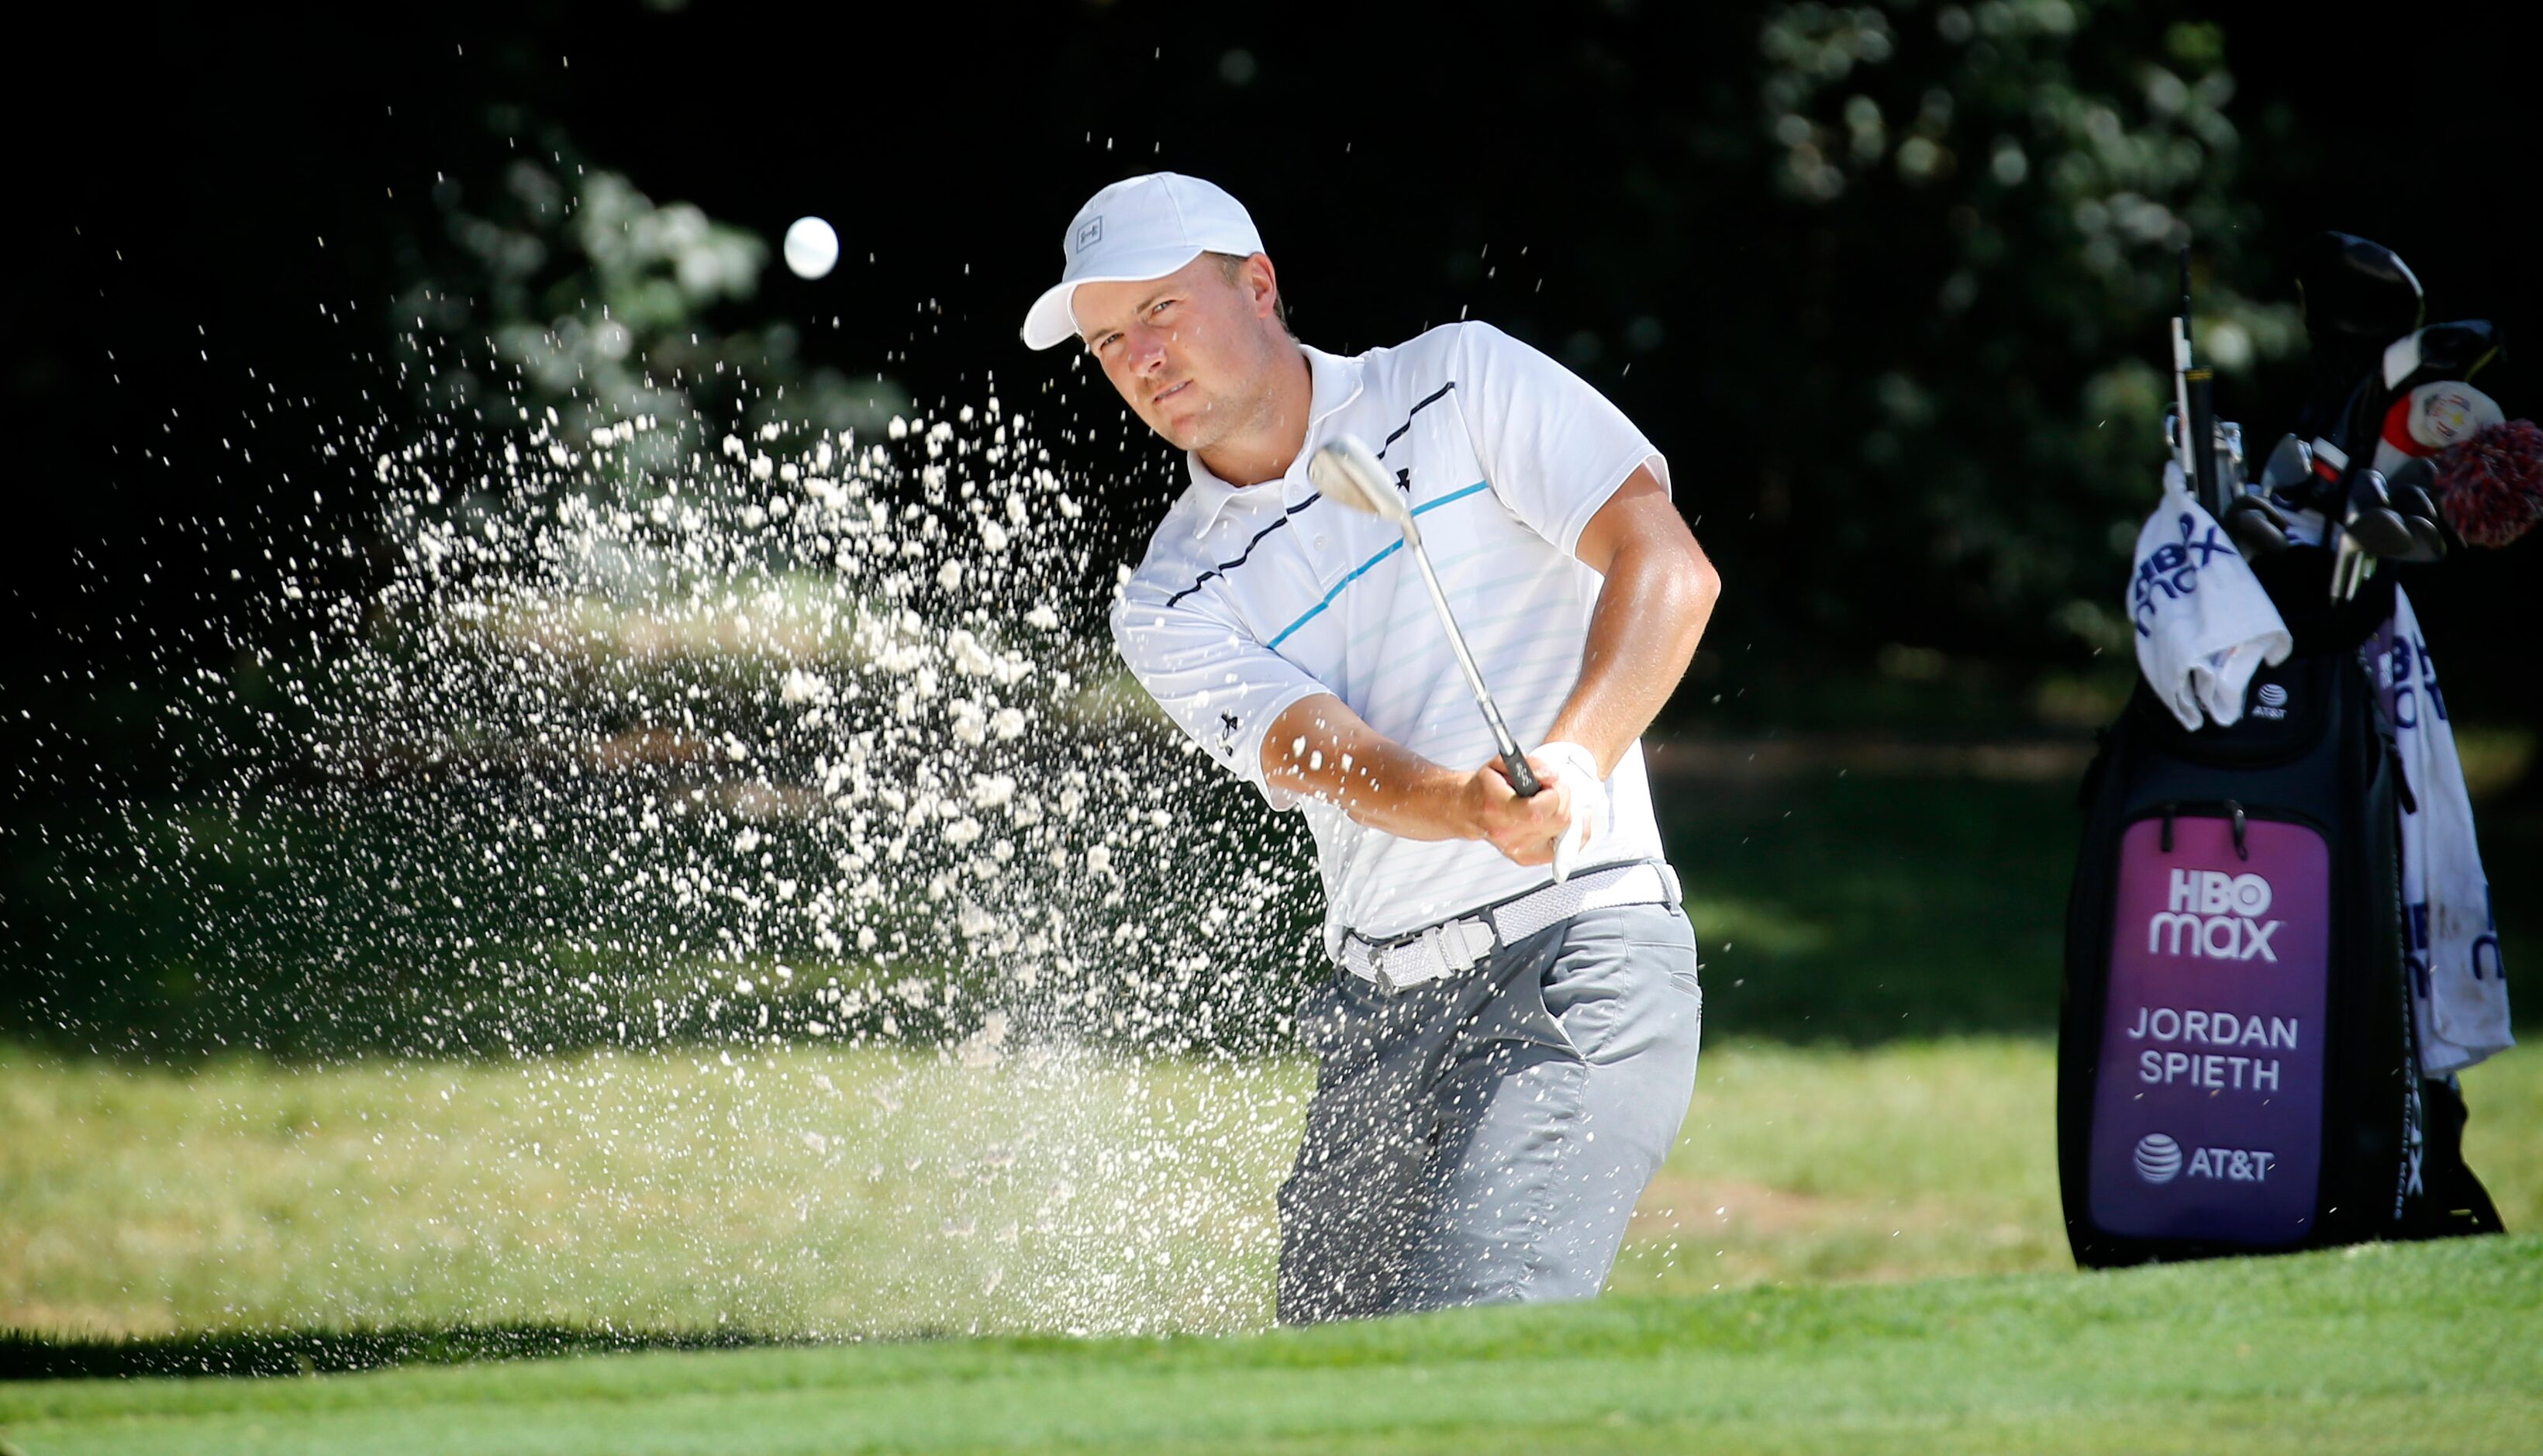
1226,566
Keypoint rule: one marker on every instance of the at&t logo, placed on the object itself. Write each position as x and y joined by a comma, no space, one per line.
2215,916
2271,701
2159,1160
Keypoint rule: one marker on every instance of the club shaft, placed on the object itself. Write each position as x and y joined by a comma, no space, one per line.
1521,777
2181,446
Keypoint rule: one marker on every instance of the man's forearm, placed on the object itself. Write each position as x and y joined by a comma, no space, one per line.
1651,612
1317,746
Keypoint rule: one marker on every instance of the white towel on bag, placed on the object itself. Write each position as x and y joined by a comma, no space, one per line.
2458,987
2203,625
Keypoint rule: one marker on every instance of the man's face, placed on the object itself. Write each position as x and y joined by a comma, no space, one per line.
1191,352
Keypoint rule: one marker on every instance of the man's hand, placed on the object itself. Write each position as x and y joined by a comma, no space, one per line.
1524,831
1591,811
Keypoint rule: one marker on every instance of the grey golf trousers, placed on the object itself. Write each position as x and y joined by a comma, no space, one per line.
1483,1138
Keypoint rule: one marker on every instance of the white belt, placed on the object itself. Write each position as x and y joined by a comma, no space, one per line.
1437,951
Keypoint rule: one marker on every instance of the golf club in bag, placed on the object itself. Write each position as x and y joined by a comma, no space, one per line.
2236,1063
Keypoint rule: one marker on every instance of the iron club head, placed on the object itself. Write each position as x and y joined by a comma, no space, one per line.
2372,518
1346,472
2257,526
2409,486
2290,466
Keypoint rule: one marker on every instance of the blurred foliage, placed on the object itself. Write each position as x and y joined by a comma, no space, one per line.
556,283
2011,180
1928,252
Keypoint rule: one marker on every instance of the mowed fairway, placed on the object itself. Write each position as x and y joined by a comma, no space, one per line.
2383,1349
836,1193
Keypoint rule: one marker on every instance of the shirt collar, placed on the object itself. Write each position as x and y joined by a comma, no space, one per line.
1332,381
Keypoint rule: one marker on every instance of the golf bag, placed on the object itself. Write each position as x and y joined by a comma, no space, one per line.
2237,1071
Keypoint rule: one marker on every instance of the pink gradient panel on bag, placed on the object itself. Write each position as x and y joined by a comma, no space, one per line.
2208,1112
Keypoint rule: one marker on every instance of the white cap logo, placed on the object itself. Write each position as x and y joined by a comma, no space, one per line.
1136,229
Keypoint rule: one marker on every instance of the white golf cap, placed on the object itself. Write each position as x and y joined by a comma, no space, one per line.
1138,228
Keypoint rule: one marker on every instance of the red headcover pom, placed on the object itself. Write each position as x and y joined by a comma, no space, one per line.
2491,485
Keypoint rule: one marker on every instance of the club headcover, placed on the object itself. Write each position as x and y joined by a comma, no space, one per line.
2490,488
2357,289
2455,350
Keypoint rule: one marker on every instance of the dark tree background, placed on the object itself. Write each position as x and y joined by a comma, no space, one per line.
1887,281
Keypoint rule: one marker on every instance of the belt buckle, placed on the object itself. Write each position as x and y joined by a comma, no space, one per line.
1426,939
1432,944
1424,943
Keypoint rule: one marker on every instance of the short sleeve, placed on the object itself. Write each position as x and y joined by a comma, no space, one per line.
1554,448
1219,684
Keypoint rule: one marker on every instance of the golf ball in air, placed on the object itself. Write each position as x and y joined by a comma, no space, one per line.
812,247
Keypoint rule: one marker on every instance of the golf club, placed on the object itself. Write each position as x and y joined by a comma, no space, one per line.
2357,292
2257,526
1350,475
2410,485
2455,350
2372,518
2289,467
2194,432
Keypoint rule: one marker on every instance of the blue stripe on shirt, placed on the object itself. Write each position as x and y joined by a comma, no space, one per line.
1362,569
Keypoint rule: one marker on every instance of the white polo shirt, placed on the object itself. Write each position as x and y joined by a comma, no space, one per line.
1254,597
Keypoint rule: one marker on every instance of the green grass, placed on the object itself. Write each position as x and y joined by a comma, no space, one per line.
836,1193
2381,1348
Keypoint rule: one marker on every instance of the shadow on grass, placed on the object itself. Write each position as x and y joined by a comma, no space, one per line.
28,1356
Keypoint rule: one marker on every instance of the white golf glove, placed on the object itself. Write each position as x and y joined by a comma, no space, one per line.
1578,772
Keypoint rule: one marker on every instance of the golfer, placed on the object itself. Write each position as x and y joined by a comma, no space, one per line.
1505,1054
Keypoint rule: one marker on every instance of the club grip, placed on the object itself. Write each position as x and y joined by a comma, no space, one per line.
1522,778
